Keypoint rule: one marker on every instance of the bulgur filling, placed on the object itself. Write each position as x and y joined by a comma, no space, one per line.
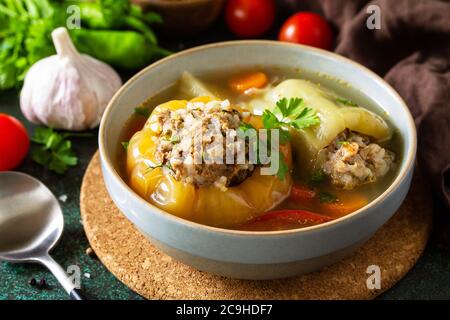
354,160
193,144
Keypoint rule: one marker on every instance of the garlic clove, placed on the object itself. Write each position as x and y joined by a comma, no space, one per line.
68,90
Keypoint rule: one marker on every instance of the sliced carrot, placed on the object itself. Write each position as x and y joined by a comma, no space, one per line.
302,194
344,205
248,80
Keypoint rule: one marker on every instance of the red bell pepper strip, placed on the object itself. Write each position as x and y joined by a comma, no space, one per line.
300,216
302,194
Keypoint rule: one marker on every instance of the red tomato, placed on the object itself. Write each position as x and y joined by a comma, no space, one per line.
249,18
14,142
307,28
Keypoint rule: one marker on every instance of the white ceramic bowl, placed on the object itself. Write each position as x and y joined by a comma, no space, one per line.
242,254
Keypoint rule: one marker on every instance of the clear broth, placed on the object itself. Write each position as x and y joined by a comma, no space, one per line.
218,81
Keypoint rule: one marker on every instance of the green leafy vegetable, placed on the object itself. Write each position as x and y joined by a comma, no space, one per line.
142,111
55,151
117,14
244,127
294,113
288,114
25,27
340,143
167,165
125,144
318,177
283,168
326,197
120,34
346,102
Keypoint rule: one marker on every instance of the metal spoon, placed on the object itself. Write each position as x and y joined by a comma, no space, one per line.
31,223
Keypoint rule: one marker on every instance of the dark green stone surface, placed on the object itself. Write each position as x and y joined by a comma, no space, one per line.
429,279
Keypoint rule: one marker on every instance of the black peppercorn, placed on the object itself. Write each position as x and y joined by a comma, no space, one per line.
32,282
42,284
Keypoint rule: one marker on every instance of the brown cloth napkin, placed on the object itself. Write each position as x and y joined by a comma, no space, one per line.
411,51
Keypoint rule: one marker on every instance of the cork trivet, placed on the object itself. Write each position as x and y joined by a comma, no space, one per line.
395,248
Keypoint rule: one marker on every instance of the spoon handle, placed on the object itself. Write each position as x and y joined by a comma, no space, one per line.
75,294
61,276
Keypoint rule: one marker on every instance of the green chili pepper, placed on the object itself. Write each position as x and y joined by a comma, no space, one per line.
123,49
114,14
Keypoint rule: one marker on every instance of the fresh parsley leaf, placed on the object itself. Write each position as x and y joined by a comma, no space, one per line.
125,144
285,136
289,108
175,139
326,197
346,102
40,156
244,127
270,120
142,111
283,168
290,114
167,165
318,176
54,151
307,117
247,130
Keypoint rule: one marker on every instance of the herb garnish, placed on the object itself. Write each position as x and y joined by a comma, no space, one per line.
283,168
142,111
244,127
326,197
55,151
295,114
341,143
167,165
317,177
288,114
125,144
346,102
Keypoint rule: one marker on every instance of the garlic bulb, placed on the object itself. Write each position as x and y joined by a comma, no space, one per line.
68,90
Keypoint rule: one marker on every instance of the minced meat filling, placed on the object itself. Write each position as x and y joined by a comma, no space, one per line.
353,160
193,144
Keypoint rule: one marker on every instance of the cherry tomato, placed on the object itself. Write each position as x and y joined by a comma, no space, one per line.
307,28
249,18
14,142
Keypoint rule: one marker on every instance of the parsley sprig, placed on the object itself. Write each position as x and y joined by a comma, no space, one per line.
55,150
162,165
326,197
288,114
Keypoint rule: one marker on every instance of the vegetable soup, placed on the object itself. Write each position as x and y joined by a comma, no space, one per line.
261,150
